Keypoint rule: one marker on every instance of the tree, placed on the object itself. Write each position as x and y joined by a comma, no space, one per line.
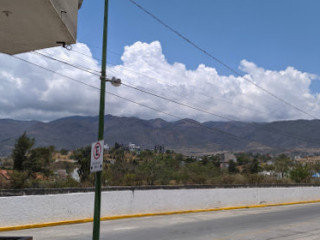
149,170
64,151
232,168
21,151
315,167
254,166
19,179
282,164
117,145
179,157
216,160
300,174
197,173
122,171
39,160
243,159
83,156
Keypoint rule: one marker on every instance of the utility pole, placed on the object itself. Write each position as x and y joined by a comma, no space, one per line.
97,196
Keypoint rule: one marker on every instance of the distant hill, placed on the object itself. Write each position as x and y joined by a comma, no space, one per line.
187,135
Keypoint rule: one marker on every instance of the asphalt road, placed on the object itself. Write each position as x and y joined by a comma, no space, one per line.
286,222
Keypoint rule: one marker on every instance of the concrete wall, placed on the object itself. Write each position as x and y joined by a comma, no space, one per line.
22,210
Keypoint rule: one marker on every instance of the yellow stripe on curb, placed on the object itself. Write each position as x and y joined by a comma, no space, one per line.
50,224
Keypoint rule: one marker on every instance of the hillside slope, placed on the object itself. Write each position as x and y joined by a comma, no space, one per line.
187,135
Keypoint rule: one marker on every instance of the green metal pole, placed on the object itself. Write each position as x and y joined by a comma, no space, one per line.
97,196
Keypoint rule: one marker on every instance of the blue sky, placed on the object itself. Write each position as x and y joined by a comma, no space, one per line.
273,34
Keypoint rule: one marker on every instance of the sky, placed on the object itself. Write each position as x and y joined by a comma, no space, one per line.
274,45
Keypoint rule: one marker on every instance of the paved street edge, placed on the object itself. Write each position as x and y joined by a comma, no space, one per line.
50,224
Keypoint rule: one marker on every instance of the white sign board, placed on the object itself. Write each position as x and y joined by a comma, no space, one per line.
96,156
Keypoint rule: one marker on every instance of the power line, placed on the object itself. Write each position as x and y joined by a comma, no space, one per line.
55,72
145,91
145,75
171,85
167,99
178,103
154,109
142,90
80,67
218,60
132,101
96,88
149,92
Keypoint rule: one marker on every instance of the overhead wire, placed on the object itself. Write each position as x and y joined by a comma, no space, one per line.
183,97
80,67
144,91
192,43
91,86
243,139
179,103
52,71
145,75
132,101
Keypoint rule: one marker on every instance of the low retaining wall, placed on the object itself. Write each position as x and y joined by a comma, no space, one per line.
35,209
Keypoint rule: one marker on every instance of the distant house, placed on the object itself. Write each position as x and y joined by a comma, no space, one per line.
58,157
226,158
133,148
266,173
159,148
271,173
308,159
106,147
270,162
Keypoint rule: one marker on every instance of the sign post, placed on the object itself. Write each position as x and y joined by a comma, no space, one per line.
96,163
97,195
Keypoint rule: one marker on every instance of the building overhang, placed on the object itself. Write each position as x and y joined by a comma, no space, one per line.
27,25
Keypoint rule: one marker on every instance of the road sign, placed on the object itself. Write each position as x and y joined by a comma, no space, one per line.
96,156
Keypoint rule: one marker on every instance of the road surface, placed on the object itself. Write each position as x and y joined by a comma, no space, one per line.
285,222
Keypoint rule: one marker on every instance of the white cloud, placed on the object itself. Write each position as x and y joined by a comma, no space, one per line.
28,92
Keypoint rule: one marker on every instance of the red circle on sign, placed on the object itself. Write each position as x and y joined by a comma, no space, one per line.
97,151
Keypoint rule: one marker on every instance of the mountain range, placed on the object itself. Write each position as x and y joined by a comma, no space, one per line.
186,136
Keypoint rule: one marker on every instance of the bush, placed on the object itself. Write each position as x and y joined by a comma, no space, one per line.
300,174
19,179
